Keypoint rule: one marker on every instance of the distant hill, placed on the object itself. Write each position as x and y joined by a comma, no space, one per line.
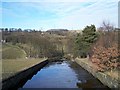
75,31
57,31
62,32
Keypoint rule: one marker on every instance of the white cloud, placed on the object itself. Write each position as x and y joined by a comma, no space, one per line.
93,14
73,15
58,8
42,0
59,0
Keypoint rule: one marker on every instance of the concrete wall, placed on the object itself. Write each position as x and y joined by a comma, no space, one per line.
20,78
104,78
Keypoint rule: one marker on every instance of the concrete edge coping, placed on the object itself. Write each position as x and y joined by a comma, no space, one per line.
22,70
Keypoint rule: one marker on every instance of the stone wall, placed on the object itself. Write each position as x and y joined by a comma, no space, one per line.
104,78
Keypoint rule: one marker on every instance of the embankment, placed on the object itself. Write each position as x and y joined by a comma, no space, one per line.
21,77
104,78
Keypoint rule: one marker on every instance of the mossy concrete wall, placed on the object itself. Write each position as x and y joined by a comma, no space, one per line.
18,79
104,78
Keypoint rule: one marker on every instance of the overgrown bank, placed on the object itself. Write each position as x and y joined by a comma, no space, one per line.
112,81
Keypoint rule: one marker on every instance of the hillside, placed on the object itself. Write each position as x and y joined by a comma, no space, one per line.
12,52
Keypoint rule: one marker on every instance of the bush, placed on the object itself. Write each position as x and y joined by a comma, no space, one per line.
106,56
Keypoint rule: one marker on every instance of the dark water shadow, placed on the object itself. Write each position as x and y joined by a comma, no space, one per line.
86,79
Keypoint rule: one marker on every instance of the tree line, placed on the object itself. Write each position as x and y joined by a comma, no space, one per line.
99,44
34,43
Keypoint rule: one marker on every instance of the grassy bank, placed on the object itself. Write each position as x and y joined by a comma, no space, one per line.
113,73
108,78
12,66
10,51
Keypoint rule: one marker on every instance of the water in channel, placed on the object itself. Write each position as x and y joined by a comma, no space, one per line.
65,74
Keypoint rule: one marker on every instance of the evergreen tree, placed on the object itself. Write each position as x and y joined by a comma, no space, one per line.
85,39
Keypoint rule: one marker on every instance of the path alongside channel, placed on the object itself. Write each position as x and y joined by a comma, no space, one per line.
104,78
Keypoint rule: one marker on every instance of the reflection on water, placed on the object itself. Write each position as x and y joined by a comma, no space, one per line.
64,74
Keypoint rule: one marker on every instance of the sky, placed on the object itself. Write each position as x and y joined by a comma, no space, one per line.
58,14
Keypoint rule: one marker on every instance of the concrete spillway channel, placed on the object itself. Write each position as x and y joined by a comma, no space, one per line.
53,74
16,81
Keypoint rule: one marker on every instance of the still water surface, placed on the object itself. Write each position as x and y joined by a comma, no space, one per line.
66,74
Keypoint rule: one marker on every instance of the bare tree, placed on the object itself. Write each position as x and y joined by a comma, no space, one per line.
107,33
107,26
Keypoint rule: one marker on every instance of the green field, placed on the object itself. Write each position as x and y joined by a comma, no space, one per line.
13,66
14,60
12,52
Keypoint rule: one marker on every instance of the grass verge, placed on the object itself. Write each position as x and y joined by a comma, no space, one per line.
12,66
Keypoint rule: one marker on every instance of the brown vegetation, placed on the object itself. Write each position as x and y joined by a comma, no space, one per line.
105,52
